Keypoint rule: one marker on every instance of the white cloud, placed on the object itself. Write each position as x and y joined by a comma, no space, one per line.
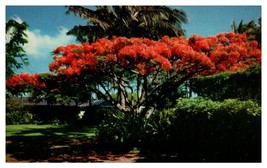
41,45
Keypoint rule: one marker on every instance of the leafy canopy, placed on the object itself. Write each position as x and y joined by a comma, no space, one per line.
15,39
150,69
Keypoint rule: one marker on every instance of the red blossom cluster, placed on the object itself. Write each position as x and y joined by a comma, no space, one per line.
223,52
226,51
24,79
19,83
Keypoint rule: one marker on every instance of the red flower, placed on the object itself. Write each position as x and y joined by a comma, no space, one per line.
127,51
164,62
199,43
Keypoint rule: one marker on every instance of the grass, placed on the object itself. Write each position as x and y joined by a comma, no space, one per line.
50,130
38,143
66,143
24,130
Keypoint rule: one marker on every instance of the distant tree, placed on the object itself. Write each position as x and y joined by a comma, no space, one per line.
130,21
15,39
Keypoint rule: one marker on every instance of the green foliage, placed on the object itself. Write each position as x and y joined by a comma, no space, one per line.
121,130
198,129
130,21
16,113
228,130
56,121
243,85
16,38
18,117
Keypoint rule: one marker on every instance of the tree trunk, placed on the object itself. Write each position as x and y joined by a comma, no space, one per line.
190,88
122,99
90,100
150,110
145,90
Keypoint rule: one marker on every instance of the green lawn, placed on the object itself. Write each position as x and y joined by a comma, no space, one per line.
50,143
50,130
40,143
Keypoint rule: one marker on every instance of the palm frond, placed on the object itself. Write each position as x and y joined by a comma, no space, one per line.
233,27
240,27
129,21
86,33
89,15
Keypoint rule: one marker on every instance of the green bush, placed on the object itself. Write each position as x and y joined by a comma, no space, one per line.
16,113
243,85
223,131
198,129
120,130
19,117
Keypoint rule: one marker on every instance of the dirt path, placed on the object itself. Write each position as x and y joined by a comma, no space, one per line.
126,158
77,151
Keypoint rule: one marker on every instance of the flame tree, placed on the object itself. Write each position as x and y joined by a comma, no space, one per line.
131,73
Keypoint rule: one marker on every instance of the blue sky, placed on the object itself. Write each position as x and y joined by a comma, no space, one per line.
49,24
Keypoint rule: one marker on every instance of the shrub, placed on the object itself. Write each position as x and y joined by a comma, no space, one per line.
19,117
16,113
244,85
217,131
198,129
119,130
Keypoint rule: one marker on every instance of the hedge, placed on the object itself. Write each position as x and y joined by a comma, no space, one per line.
243,85
197,129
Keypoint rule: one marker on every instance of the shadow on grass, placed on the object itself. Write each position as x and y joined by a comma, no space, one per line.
44,142
31,143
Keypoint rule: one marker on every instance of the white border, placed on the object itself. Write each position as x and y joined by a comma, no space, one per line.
124,2
133,2
2,88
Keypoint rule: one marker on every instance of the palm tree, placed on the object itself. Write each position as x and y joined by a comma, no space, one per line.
130,21
237,29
